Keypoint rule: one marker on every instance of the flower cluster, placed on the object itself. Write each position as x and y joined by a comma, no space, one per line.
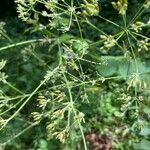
137,26
91,7
121,6
3,76
109,41
143,45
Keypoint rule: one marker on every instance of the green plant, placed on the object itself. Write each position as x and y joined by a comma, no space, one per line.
69,81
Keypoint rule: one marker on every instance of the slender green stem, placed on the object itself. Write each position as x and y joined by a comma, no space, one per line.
31,95
132,50
124,20
74,110
80,30
140,35
20,133
6,36
92,25
19,44
113,23
138,13
14,106
14,88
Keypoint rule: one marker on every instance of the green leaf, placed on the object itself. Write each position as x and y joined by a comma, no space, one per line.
120,66
108,69
145,131
143,145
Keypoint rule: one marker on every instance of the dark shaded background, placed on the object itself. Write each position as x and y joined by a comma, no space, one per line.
7,8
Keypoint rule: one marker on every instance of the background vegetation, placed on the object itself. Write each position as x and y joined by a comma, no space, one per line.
74,74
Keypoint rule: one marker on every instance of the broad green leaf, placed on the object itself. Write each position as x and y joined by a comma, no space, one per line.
145,131
143,145
120,66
